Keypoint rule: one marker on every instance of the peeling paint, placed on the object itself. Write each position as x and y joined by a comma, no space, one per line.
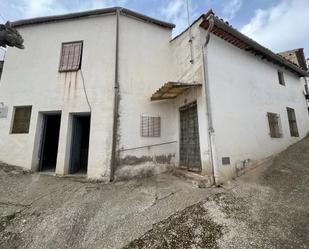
75,81
132,160
241,166
156,159
65,78
164,158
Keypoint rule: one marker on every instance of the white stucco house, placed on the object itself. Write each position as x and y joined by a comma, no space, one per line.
108,93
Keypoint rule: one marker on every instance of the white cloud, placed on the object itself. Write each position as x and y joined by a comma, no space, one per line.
176,12
33,8
231,8
281,27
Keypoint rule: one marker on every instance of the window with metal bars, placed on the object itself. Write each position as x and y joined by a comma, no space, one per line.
71,56
150,126
274,125
281,78
21,120
292,122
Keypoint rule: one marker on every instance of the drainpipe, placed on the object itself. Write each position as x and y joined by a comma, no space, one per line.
306,85
211,132
116,100
306,91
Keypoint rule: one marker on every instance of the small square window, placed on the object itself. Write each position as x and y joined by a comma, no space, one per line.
281,78
21,120
226,161
274,125
71,56
150,126
292,122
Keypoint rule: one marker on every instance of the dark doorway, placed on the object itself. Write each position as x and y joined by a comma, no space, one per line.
50,140
190,157
80,144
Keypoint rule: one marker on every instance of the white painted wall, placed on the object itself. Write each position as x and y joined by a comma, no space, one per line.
184,71
159,61
144,67
31,78
243,89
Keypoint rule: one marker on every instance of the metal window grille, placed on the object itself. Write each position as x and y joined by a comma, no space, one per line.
150,126
21,121
71,55
274,125
292,122
281,78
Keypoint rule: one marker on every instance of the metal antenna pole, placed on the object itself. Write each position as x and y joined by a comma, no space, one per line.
190,32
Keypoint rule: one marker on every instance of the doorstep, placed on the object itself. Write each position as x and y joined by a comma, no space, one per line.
198,180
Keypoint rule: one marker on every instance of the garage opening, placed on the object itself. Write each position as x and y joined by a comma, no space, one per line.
80,144
49,142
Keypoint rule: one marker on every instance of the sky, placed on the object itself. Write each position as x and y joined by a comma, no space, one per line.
276,24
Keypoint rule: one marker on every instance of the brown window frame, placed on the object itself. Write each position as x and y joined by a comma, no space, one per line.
292,122
275,130
150,126
18,128
61,68
281,78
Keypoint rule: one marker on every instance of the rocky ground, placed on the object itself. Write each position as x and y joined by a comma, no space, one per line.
266,208
42,211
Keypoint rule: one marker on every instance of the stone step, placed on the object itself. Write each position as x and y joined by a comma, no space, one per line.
196,179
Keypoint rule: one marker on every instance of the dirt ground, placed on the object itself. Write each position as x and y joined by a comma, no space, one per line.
266,208
41,211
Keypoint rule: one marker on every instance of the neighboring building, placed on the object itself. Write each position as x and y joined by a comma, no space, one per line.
297,56
153,102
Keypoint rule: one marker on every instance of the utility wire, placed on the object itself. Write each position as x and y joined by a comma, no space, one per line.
85,91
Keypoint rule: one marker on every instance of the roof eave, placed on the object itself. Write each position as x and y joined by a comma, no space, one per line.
254,46
55,18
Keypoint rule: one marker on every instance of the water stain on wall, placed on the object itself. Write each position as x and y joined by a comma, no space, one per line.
134,160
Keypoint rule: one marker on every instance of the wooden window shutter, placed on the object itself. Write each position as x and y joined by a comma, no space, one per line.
281,78
71,56
292,122
274,125
21,121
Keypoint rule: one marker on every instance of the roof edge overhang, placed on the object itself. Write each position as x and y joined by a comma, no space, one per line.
236,38
171,90
76,15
